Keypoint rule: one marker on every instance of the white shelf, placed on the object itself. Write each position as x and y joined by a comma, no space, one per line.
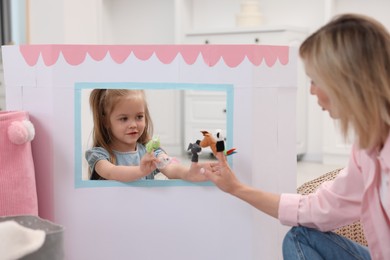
247,30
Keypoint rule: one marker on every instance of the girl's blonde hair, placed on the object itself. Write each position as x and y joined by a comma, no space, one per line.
102,103
351,57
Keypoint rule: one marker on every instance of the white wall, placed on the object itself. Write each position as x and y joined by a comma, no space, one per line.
138,22
375,8
101,22
64,21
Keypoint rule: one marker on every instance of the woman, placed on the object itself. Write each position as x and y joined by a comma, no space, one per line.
348,62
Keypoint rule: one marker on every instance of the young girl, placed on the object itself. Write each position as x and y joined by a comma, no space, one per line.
122,127
348,61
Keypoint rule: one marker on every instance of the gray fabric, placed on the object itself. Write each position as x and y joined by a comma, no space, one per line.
52,248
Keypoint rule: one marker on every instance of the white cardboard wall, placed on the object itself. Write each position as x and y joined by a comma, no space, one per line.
180,221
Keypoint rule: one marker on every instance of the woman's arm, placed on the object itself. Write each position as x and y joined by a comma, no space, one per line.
264,201
225,179
122,173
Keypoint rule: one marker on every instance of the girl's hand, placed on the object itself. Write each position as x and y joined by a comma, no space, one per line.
148,164
221,175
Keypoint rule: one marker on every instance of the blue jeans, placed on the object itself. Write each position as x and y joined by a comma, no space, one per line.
310,244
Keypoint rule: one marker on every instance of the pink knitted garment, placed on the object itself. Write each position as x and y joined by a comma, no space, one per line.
18,195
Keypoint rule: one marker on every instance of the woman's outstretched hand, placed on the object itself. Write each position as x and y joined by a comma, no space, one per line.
196,172
221,175
225,179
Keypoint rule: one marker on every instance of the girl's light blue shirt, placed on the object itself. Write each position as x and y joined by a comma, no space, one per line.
132,158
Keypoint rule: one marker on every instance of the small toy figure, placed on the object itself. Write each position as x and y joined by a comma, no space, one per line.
220,145
195,149
216,145
154,144
163,162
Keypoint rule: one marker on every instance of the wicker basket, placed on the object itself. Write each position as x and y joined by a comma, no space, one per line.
353,231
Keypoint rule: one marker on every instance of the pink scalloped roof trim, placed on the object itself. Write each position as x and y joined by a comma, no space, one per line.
232,55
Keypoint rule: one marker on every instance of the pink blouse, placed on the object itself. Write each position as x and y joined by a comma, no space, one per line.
357,193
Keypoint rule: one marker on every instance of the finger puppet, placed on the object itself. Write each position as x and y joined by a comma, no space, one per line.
216,144
154,144
163,162
220,144
195,149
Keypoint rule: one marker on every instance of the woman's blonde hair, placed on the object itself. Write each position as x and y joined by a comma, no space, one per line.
102,103
351,57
